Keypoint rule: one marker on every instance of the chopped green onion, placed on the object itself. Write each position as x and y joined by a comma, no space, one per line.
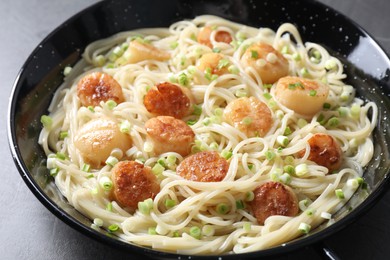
125,126
208,230
148,147
46,121
174,45
183,79
249,196
321,119
94,191
282,140
98,222
86,167
316,54
287,131
289,159
223,63
172,78
301,123
285,178
197,110
106,183
145,206
289,169
326,215
326,106
343,111
170,203
304,228
247,226
246,121
353,183
161,161
360,180
303,204
111,160
312,93
90,176
218,111
267,86
191,69
60,156
355,111
240,204
63,135
118,51
301,169
270,155
296,56
216,50
195,232
339,194
284,49
91,108
330,64
54,171
191,122
275,176
109,206
304,72
333,122
226,154
175,234
267,95
206,121
254,54
152,231
310,212
233,69
158,169
214,146
111,104
222,208
113,228
67,70
295,85
99,60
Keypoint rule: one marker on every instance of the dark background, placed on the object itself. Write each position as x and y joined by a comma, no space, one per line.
29,231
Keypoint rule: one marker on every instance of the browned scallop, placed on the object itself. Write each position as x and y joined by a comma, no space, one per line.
133,182
268,62
274,198
220,36
96,139
168,134
207,166
249,115
304,96
168,99
211,61
324,151
98,86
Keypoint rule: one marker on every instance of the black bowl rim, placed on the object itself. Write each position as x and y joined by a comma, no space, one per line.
89,232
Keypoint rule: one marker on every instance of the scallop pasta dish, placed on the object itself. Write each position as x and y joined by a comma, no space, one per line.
208,137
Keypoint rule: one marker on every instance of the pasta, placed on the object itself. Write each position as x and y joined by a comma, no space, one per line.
236,110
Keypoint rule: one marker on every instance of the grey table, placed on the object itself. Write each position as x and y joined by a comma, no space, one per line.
29,231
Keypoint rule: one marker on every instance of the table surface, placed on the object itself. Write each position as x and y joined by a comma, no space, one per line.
30,231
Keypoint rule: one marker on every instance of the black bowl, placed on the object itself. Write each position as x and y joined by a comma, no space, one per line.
366,64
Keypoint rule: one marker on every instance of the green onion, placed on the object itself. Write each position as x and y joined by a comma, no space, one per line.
106,183
355,111
301,169
158,169
170,203
46,121
301,123
330,64
206,121
312,93
289,159
284,49
304,228
216,50
304,72
360,180
285,178
282,140
214,146
197,110
353,183
94,191
296,56
233,69
218,111
183,79
145,206
195,232
125,126
98,222
254,54
161,161
343,111
270,155
208,230
321,119
267,95
295,85
226,154
109,206
191,69
240,204
63,135
152,231
86,167
99,60
113,228
250,166
310,212
111,160
326,106
333,122
246,120
60,156
287,131
191,122
90,176
289,169
247,226
172,78
148,147
91,108
54,171
111,104
118,51
175,234
267,86
222,63
241,36
339,194
275,176
174,45
249,196
222,208
67,70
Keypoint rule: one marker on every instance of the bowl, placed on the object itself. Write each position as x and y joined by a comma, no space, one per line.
366,64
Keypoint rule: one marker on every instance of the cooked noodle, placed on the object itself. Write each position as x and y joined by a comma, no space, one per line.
237,231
